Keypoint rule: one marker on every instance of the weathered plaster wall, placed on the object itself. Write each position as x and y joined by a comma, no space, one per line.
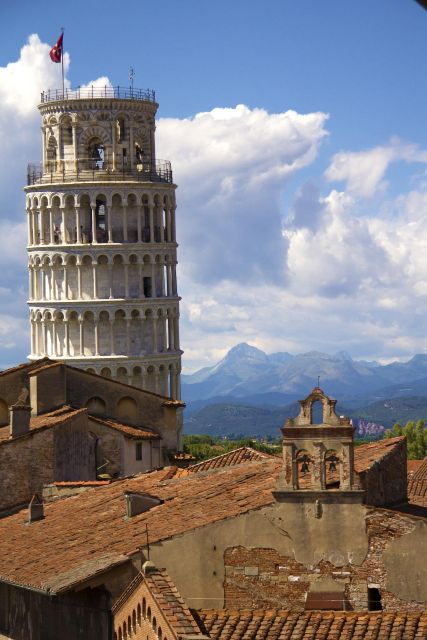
274,556
195,560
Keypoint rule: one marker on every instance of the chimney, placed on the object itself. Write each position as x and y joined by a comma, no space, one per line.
35,509
20,414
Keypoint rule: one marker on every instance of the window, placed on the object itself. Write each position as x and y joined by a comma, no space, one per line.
374,599
147,287
138,451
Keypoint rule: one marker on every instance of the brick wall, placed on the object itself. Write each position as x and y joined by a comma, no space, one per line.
260,578
139,617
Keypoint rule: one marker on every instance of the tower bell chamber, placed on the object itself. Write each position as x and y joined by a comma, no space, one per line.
102,241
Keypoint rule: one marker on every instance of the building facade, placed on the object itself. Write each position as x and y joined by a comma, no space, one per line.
102,240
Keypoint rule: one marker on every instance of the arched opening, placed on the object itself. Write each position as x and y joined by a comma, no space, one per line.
134,621
317,412
127,409
96,154
4,413
106,372
304,469
120,333
101,219
149,613
96,406
144,608
332,470
138,614
51,154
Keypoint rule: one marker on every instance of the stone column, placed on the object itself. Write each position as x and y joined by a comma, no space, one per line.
125,223
162,228
169,279
155,348
65,281
78,227
176,333
168,225
30,283
138,222
64,228
174,287
67,339
111,337
29,228
127,321
82,337
93,210
54,338
140,281
33,338
36,234
53,288
153,281
96,337
346,466
79,280
37,351
156,380
95,279
113,138
151,207
110,279
44,329
43,279
51,228
318,479
109,223
171,335
131,148
73,128
173,227
126,267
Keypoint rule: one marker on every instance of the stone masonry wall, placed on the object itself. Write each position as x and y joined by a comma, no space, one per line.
385,482
257,578
26,464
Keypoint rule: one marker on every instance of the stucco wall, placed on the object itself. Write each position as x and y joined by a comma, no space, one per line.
195,560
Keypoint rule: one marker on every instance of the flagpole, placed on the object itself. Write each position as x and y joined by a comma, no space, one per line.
62,64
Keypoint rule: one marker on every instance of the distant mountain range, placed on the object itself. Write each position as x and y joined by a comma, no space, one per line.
251,393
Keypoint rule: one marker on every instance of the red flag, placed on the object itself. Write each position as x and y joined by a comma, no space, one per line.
56,51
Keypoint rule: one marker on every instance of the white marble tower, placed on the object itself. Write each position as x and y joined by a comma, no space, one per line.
101,240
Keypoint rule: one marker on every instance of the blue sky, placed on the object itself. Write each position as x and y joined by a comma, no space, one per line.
360,63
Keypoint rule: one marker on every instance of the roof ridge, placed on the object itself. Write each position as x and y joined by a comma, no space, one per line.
227,453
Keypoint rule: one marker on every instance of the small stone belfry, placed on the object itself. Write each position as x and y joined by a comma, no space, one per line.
317,457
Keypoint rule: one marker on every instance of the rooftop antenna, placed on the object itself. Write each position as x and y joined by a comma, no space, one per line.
318,381
131,77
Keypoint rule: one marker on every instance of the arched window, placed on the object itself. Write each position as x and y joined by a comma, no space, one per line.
304,469
144,608
160,633
138,614
127,408
332,470
154,623
134,621
149,614
96,406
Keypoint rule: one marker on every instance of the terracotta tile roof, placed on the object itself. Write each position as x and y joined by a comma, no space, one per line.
87,526
29,366
44,421
417,485
316,625
412,466
171,604
367,454
237,456
139,433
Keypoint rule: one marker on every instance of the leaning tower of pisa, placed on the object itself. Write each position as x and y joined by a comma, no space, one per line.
101,240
